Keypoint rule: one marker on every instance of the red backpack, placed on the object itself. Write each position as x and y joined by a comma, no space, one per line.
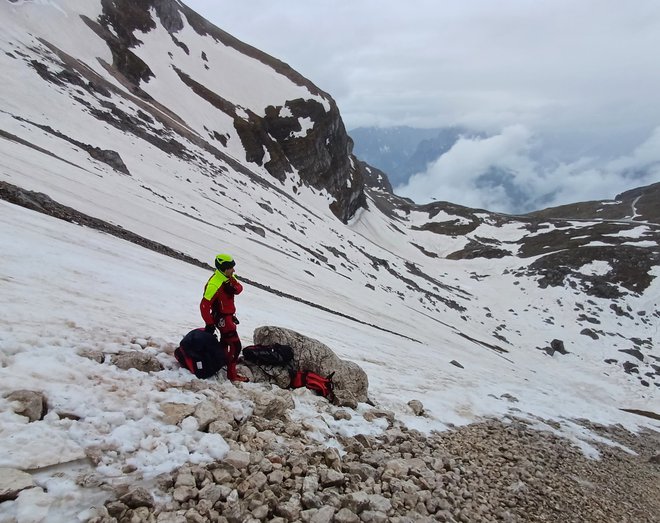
322,386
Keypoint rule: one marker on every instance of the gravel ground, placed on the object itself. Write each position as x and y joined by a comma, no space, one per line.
495,470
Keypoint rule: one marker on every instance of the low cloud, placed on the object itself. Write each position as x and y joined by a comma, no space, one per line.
503,173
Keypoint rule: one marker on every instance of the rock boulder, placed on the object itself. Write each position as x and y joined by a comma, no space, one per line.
29,403
314,356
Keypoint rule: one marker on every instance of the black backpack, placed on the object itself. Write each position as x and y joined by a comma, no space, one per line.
274,354
201,353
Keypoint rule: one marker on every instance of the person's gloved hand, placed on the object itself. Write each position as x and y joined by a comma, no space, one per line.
235,319
210,328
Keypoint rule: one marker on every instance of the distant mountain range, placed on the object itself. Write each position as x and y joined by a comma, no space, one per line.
403,151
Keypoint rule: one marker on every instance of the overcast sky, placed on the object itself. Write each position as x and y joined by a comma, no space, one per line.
567,92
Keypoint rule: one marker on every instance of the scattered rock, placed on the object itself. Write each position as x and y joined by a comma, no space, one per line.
509,398
141,361
378,503
290,511
630,368
209,411
346,516
489,471
555,346
29,403
137,497
92,354
558,346
225,429
173,413
395,468
341,414
323,515
108,157
590,333
417,407
13,481
331,478
456,364
373,414
633,352
271,406
238,458
356,502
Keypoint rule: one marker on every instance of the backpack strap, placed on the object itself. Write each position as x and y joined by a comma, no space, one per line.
298,378
319,384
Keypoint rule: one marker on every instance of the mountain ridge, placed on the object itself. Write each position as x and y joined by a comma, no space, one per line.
639,204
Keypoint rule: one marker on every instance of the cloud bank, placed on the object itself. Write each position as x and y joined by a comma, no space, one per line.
500,173
565,89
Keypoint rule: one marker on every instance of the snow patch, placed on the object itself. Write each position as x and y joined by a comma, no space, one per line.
306,125
595,268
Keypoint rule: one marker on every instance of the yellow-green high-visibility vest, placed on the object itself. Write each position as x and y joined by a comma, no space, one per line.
214,283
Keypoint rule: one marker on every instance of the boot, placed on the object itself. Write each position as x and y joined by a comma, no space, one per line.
232,353
233,374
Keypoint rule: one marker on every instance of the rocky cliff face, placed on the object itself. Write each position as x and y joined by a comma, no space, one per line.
321,156
320,153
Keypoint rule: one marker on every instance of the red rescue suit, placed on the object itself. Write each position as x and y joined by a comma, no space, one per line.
217,308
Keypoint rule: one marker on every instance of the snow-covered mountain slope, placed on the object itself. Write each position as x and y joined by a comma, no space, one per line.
143,120
73,298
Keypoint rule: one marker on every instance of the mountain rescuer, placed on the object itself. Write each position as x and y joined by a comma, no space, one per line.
218,310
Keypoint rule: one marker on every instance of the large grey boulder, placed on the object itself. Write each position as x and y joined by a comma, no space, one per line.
312,355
